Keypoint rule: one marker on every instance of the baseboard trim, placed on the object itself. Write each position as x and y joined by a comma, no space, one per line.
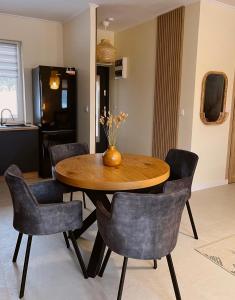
199,187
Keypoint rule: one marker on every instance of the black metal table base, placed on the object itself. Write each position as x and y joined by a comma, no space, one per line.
98,250
86,224
96,258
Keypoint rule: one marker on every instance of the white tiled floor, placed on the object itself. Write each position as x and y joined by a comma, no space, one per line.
55,274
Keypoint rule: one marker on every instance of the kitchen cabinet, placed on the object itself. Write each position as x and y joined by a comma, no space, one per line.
19,146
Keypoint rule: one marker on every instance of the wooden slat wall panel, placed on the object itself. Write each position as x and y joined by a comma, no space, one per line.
168,76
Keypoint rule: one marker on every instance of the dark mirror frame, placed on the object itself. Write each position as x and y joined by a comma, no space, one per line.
223,114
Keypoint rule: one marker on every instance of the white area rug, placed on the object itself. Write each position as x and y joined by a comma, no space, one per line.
221,252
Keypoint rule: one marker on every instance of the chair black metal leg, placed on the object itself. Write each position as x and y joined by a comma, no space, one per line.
17,247
155,264
66,240
71,196
191,220
106,259
119,297
78,253
173,277
26,262
84,199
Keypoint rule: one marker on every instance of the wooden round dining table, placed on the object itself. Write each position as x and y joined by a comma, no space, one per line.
136,173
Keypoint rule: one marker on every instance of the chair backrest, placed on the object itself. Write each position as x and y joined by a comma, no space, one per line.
24,203
143,226
63,151
182,163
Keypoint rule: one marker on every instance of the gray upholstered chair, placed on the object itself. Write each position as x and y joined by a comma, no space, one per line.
182,167
39,210
63,151
142,226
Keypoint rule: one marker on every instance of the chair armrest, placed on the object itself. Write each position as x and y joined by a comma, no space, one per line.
60,217
179,184
50,191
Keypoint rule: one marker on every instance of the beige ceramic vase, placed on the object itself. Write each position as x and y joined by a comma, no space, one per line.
112,157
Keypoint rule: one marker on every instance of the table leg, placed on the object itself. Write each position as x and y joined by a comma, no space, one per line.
98,250
96,258
94,196
99,196
86,224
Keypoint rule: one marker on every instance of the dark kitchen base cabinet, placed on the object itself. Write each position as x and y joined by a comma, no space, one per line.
48,139
19,147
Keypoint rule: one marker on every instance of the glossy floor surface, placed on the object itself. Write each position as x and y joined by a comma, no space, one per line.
55,274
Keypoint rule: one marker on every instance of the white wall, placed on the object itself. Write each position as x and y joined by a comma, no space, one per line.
189,63
42,44
51,43
79,51
215,52
135,95
209,45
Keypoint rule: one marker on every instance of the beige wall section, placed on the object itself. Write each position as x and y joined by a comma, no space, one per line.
135,95
216,52
190,43
78,51
42,44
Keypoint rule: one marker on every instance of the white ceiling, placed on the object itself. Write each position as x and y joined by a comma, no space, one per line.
126,12
57,10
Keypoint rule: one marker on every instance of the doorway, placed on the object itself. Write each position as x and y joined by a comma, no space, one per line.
102,103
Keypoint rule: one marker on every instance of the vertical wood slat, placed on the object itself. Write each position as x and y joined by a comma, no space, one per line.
168,76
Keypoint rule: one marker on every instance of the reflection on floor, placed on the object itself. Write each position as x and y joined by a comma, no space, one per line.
54,272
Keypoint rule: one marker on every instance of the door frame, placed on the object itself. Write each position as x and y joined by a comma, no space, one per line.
231,142
104,73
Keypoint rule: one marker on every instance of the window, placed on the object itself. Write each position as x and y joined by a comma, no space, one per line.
11,80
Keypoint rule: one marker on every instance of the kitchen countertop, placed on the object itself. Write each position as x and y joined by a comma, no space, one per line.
19,128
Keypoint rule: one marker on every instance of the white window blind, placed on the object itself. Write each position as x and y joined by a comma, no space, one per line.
11,83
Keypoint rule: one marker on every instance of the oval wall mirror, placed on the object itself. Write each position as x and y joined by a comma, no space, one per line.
213,100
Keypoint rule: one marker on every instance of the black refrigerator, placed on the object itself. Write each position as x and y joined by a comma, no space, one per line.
54,102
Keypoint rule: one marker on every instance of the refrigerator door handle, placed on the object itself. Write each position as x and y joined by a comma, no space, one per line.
43,151
41,107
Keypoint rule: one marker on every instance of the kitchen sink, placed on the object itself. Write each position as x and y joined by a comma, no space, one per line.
14,125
